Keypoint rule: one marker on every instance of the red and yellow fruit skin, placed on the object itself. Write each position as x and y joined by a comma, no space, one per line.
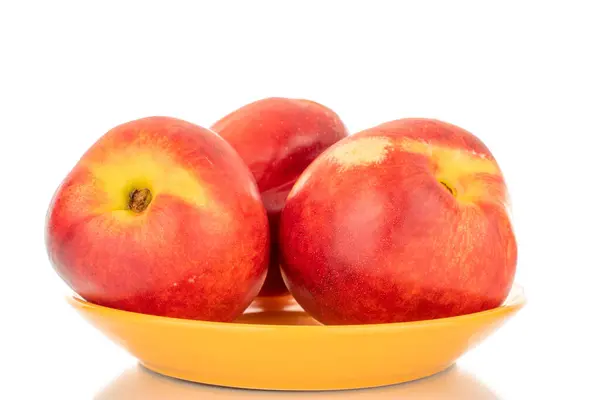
278,138
200,249
369,234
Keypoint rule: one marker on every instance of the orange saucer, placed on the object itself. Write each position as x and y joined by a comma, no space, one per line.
276,345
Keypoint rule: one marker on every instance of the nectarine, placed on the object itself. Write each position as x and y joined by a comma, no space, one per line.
161,217
278,138
404,221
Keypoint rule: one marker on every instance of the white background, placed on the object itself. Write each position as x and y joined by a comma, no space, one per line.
523,76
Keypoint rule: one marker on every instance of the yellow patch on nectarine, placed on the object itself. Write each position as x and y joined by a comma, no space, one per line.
459,169
363,151
128,169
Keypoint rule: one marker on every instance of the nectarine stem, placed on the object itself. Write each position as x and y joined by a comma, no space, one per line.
451,190
139,199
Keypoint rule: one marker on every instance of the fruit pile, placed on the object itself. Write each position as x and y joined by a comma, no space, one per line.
404,221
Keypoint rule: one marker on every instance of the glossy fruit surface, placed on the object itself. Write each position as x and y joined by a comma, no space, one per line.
404,221
278,138
161,217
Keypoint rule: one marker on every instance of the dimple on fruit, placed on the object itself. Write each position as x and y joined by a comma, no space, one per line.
401,222
162,217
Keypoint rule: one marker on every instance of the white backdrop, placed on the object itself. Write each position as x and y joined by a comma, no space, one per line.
523,76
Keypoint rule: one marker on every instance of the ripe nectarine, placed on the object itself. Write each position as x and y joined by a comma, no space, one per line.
404,221
161,217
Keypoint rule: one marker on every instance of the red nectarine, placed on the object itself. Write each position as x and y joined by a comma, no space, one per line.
278,138
161,217
405,221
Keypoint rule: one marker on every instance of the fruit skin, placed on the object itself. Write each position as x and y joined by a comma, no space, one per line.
200,248
370,235
278,138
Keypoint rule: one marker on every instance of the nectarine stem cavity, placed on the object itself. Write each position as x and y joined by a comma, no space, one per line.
139,199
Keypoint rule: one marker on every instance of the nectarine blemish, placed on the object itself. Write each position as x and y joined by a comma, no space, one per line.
371,150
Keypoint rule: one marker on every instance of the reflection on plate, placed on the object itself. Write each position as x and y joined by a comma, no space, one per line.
140,383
